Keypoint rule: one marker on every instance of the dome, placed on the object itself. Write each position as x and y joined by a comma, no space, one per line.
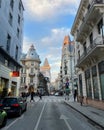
31,54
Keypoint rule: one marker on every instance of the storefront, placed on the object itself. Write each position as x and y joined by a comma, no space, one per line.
3,86
95,82
88,83
101,75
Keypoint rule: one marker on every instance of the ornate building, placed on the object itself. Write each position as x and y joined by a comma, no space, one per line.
88,32
67,64
30,71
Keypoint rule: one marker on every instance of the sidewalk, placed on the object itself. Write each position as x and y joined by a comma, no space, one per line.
94,114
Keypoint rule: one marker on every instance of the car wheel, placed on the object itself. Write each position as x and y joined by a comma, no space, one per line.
4,121
20,112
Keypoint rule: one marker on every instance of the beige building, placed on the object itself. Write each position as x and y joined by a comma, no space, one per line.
88,32
30,71
67,64
46,71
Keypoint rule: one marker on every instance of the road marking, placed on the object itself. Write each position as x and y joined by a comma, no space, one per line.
37,124
7,127
66,122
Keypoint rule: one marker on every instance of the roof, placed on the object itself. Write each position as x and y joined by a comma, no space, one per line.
67,40
31,54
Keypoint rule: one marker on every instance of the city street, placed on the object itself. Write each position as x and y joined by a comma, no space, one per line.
50,113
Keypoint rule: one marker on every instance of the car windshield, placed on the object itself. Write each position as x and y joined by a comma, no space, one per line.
9,100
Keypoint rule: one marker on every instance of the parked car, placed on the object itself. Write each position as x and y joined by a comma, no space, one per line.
13,105
3,118
57,94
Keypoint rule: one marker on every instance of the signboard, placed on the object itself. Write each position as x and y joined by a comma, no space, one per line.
14,74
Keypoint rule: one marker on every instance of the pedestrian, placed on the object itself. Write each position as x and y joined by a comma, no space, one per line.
40,95
75,94
32,97
81,100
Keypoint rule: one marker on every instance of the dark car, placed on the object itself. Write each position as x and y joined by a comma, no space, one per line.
13,105
3,118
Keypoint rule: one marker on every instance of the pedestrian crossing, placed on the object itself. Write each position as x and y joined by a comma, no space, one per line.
47,99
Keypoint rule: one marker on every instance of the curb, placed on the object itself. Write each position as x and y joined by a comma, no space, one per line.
84,115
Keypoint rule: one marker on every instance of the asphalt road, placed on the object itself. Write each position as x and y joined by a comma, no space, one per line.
50,113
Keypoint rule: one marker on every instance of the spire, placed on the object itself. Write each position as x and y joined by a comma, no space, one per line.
46,64
67,40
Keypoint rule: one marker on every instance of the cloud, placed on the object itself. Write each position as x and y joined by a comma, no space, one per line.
27,43
50,47
47,9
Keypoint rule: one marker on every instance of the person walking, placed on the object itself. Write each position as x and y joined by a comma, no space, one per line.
75,94
32,97
40,95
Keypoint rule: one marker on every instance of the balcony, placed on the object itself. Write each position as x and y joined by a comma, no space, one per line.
31,74
93,53
94,13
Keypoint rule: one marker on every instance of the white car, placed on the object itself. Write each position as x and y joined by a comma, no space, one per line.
56,94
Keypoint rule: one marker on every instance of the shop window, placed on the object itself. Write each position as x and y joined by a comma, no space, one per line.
88,83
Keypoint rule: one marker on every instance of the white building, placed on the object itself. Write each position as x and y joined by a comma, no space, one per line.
88,32
11,37
30,71
67,64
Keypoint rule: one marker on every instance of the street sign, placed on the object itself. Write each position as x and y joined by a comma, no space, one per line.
14,74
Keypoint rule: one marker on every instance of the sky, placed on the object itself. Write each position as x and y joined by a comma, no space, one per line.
46,23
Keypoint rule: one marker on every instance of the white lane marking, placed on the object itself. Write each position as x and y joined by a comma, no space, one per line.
7,127
66,122
37,124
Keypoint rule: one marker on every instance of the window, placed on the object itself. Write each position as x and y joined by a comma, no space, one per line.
10,19
79,54
0,3
8,43
19,6
12,4
100,27
31,79
32,70
91,38
18,32
18,19
95,83
6,62
84,47
16,53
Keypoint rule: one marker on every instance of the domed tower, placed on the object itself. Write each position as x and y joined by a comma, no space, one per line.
30,71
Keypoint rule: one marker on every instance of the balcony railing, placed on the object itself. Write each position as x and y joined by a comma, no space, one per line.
89,20
96,43
31,74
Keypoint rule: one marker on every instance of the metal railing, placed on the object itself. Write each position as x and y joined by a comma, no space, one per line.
96,42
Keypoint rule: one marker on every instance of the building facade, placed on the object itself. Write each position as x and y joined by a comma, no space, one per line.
30,71
46,71
88,32
11,40
67,63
